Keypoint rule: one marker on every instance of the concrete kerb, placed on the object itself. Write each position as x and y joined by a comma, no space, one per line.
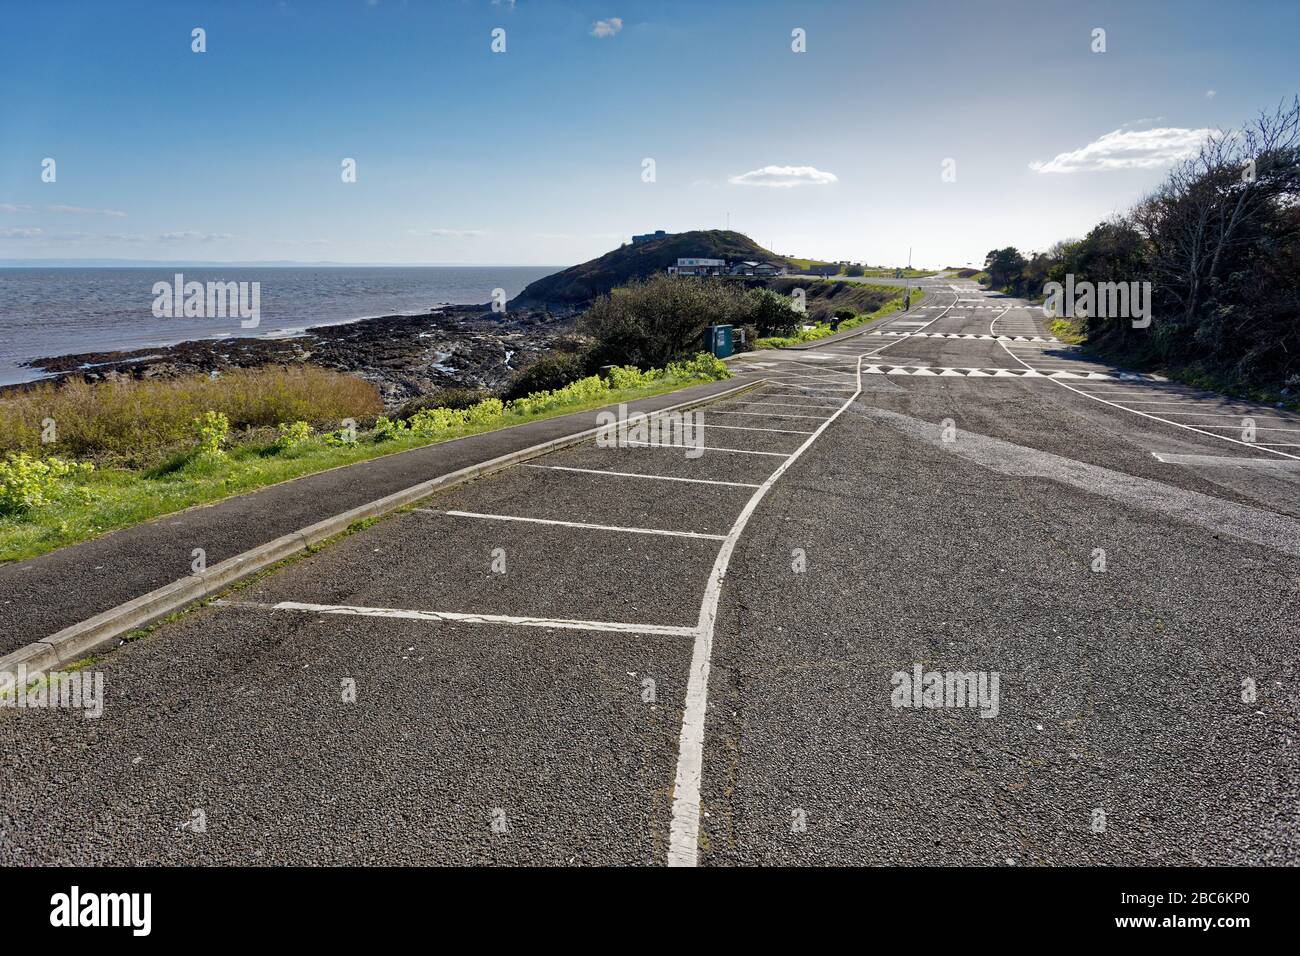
78,640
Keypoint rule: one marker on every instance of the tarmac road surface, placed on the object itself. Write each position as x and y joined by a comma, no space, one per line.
695,651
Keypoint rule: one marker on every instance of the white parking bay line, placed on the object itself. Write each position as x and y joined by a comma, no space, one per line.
781,404
734,451
1137,411
811,418
1275,464
464,618
575,524
751,428
633,474
684,833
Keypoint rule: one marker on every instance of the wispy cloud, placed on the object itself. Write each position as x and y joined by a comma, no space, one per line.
784,177
190,235
606,28
14,207
84,211
1128,149
30,233
447,233
1211,94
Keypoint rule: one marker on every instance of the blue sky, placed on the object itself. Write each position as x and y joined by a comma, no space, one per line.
534,155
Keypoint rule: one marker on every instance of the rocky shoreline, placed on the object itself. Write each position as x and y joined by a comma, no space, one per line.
402,355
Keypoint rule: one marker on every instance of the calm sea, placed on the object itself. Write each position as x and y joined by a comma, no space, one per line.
46,312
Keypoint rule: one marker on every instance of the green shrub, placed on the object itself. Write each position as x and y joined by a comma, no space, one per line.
433,422
548,373
212,429
138,423
27,482
292,435
386,429
486,412
705,367
463,398
345,437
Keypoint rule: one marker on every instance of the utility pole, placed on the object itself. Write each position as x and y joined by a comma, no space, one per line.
907,296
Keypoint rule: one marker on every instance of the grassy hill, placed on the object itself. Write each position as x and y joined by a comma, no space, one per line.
580,284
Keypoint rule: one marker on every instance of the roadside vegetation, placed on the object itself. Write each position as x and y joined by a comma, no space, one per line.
120,453
845,321
1219,242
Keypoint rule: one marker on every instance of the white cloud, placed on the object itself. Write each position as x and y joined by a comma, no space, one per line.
31,233
14,207
508,4
1211,94
784,177
190,235
1128,149
84,211
606,28
447,233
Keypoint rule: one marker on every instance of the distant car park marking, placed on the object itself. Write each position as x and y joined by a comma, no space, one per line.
684,832
1137,411
1220,461
811,418
781,404
633,474
464,618
584,525
980,336
732,451
823,388
1237,428
751,428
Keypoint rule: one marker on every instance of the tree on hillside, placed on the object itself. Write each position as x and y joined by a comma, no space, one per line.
1004,267
651,322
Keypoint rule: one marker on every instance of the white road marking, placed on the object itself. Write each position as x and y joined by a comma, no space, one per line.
1218,460
633,474
751,428
1138,411
574,524
463,618
781,404
811,418
818,388
734,451
684,834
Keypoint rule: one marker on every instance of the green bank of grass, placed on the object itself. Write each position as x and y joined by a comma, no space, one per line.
1069,331
823,329
89,503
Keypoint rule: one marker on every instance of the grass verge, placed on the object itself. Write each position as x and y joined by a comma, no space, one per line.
822,329
89,503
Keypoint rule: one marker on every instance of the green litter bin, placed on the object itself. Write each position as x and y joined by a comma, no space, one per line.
717,340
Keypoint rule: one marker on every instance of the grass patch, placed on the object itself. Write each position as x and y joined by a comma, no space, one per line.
822,330
136,423
90,503
1070,331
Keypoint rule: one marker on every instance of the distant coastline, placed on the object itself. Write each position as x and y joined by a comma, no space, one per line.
53,319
